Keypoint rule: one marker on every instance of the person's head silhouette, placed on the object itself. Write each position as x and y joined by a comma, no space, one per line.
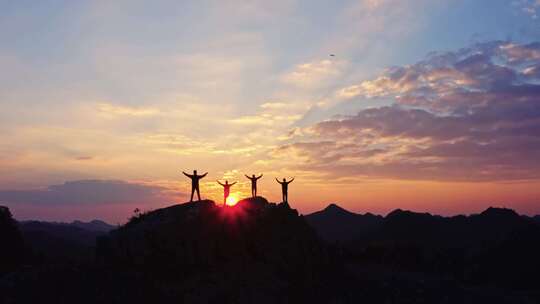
226,182
253,175
194,172
284,180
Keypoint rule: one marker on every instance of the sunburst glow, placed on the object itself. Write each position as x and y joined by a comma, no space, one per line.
232,200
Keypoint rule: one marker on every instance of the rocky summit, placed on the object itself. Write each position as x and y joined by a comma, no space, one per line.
252,251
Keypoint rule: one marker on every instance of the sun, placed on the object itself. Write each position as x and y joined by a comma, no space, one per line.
232,200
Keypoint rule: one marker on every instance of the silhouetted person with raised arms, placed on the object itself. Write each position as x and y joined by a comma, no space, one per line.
195,183
253,180
284,188
226,190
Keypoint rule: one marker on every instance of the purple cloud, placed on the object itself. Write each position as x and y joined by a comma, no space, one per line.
473,114
88,192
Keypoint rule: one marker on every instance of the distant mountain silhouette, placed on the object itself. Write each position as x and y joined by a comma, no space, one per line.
493,224
334,223
60,241
497,246
94,225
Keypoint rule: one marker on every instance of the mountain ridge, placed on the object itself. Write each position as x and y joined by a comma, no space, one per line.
92,225
337,224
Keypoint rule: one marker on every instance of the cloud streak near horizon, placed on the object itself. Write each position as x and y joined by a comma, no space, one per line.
89,192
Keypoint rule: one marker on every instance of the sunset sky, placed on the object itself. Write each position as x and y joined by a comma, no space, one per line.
427,105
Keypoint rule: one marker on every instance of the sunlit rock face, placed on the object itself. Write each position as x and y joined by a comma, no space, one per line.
254,249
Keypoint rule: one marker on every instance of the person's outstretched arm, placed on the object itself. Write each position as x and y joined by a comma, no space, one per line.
259,176
233,183
203,175
188,175
290,181
220,183
277,180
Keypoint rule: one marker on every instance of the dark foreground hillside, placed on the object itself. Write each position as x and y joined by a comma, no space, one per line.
254,252
260,252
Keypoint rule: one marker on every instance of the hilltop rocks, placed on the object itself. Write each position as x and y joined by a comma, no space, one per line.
253,249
